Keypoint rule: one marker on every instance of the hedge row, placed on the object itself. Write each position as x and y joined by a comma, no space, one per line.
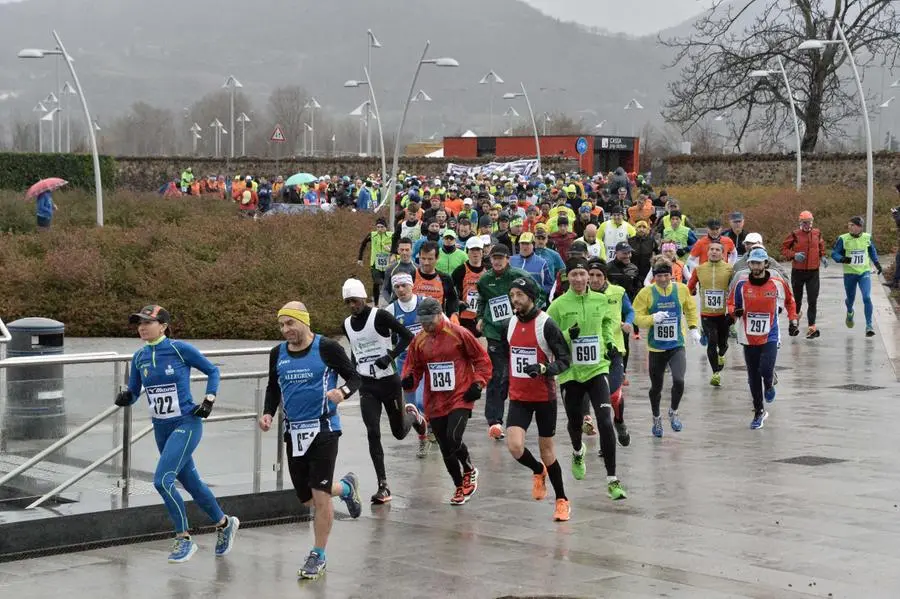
830,157
20,171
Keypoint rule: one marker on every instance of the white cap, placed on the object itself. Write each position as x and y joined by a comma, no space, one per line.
467,202
753,238
474,243
354,288
437,182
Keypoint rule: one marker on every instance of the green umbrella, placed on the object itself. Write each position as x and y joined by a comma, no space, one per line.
300,179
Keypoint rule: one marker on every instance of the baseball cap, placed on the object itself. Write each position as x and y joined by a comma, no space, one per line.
474,243
753,238
526,237
562,219
575,264
467,202
449,233
499,250
540,229
485,221
152,313
428,309
758,255
578,246
623,246
736,216
713,223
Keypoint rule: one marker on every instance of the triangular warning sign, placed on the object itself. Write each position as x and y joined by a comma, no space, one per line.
277,134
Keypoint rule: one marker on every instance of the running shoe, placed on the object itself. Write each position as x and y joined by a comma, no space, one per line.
622,433
600,452
225,536
716,379
657,429
770,394
587,426
430,437
721,361
849,320
419,423
704,340
759,420
637,336
775,378
578,467
459,497
870,331
732,332
539,484
626,382
812,332
563,511
495,432
675,421
182,550
470,483
615,491
352,501
313,568
423,447
383,494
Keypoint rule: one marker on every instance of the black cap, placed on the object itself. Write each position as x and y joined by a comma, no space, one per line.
675,213
151,313
500,250
857,220
428,309
485,221
616,210
504,217
526,285
623,246
597,264
578,246
736,216
562,219
713,223
575,264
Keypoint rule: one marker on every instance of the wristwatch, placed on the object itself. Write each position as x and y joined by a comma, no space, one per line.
209,397
345,390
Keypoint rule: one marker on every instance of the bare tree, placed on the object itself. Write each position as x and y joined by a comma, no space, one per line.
735,37
558,124
286,107
212,106
143,131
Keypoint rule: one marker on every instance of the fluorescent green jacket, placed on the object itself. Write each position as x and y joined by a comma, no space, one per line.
593,314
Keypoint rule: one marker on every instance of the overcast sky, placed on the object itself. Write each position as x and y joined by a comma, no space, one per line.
646,16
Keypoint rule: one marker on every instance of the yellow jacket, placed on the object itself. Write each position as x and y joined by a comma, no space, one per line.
644,308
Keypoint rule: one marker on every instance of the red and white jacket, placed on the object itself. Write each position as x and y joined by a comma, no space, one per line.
761,304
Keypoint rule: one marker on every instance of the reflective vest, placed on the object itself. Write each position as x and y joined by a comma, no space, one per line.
381,250
857,249
679,236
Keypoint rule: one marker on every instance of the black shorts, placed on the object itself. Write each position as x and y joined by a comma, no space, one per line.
314,469
544,412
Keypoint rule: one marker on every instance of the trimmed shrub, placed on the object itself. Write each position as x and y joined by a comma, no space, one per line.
21,171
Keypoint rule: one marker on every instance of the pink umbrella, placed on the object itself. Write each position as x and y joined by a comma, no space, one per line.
51,184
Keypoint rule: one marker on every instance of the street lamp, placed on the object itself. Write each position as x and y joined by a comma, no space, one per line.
312,104
491,78
372,42
421,96
68,90
546,119
438,62
61,51
790,93
307,129
362,111
600,124
633,105
232,84
53,100
511,113
41,110
870,167
890,137
220,128
195,135
369,104
537,140
243,120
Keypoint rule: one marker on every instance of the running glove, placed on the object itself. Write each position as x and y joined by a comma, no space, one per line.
878,268
738,312
574,331
407,383
473,394
800,256
695,335
124,398
203,410
536,370
611,351
846,260
793,328
660,316
383,362
824,262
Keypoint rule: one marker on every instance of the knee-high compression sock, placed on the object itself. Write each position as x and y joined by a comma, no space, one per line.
554,472
528,460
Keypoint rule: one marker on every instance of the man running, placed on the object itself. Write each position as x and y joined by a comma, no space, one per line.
662,309
754,304
455,368
805,248
538,352
303,375
613,232
736,233
379,255
403,265
714,234
429,282
465,281
856,251
588,325
369,332
714,280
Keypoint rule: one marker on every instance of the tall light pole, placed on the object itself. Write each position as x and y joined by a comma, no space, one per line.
633,105
243,120
313,105
219,127
53,100
600,124
537,140
890,139
68,90
545,118
41,110
362,112
61,51
371,103
491,78
49,117
870,166
195,135
421,96
371,42
510,114
439,62
790,93
232,84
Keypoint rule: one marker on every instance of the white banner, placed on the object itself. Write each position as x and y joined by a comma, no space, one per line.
526,168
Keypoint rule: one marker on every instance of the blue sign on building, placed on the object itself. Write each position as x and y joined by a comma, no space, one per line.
581,146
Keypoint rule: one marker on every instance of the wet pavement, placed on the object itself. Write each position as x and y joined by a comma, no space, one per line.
806,507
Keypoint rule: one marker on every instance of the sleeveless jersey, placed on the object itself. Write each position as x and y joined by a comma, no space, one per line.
368,345
304,382
527,346
469,296
666,334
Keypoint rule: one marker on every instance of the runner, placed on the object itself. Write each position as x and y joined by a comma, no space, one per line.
533,264
428,282
303,373
403,265
714,280
805,248
662,309
713,234
369,332
736,233
465,281
538,352
450,256
379,255
493,314
162,368
588,324
623,318
613,232
455,368
681,272
410,227
856,251
754,304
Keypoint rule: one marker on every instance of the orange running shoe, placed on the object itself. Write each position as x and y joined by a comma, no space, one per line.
495,432
470,483
459,497
539,485
562,511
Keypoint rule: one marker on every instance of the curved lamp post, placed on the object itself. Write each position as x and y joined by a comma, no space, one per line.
790,93
368,82
61,51
232,84
371,42
537,140
870,167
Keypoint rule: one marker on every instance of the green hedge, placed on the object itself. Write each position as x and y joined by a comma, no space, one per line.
20,171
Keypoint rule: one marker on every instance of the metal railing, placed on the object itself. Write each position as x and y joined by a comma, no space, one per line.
123,449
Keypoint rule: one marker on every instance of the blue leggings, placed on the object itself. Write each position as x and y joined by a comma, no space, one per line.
864,281
176,441
760,361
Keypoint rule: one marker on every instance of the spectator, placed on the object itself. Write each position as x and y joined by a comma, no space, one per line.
44,209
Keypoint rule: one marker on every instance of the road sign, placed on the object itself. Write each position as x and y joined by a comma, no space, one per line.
278,134
581,146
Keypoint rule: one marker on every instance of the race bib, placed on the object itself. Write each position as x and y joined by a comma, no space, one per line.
303,434
381,261
610,253
857,257
415,328
472,301
758,323
367,367
713,300
585,350
520,358
666,330
500,308
442,376
163,401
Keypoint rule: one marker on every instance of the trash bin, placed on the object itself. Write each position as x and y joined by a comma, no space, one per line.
35,403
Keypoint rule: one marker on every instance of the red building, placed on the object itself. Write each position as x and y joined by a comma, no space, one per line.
604,152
